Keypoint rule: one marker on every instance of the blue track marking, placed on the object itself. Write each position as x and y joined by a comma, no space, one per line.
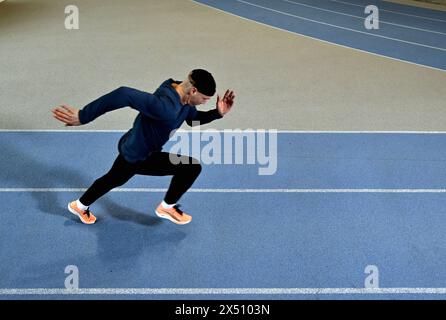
410,36
252,240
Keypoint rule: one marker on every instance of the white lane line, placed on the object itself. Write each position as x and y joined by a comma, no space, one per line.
317,39
209,190
363,18
232,131
395,12
339,27
219,291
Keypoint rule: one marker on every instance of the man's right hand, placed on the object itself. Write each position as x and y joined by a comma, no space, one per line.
67,115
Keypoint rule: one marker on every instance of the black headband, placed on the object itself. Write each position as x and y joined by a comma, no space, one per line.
203,81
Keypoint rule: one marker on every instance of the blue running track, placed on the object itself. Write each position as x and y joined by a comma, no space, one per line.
337,203
407,33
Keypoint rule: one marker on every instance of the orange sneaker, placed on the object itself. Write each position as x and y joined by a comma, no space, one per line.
85,215
173,214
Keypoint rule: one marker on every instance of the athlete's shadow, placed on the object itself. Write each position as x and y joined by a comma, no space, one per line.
120,212
134,233
22,169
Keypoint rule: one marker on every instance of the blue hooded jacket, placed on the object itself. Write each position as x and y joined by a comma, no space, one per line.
159,114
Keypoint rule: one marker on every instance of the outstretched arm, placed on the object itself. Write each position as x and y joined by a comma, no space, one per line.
146,103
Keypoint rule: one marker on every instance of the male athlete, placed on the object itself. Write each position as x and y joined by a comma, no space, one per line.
140,148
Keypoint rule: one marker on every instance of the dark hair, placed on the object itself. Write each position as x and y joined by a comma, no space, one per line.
203,81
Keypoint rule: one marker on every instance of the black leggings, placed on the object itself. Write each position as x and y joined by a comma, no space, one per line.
157,164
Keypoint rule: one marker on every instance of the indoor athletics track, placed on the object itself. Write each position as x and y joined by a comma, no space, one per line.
339,202
405,33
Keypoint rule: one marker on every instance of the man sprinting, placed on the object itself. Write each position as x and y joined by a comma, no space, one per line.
140,148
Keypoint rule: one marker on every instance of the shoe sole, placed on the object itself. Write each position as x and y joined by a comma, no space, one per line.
78,215
168,217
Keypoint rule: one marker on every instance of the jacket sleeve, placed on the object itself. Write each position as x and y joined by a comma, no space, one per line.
147,103
202,117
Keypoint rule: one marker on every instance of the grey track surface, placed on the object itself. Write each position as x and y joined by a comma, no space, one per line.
282,80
